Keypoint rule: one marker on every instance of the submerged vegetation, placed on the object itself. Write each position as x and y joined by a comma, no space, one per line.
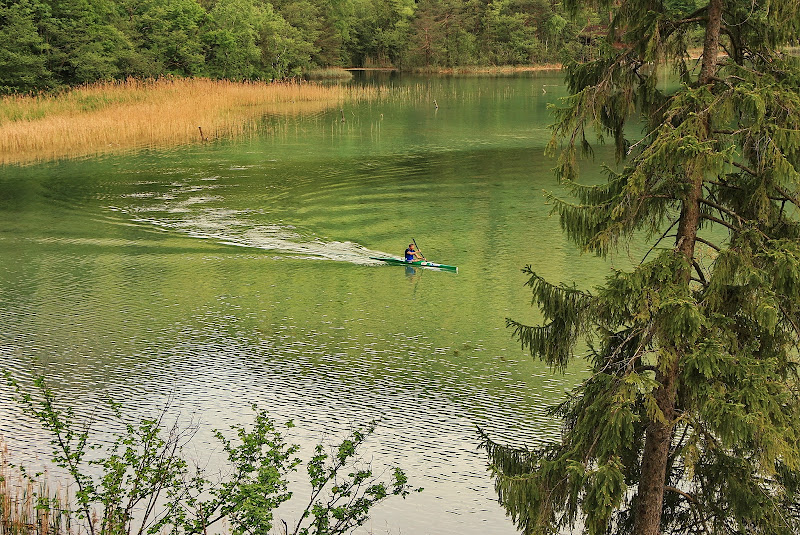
114,116
140,482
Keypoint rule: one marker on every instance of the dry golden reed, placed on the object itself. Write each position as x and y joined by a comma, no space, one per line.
29,507
114,116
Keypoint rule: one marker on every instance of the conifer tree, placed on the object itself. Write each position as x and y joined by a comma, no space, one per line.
689,421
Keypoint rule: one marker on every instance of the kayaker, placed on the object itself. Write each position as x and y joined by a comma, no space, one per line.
412,254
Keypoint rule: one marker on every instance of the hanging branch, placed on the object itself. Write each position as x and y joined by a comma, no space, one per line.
723,210
787,195
720,221
742,167
723,184
699,269
706,242
659,240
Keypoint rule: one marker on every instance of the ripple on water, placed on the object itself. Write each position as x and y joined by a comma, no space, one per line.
427,421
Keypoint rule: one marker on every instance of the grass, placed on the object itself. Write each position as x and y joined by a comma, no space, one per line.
114,116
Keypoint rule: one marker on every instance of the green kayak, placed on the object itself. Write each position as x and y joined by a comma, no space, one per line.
418,263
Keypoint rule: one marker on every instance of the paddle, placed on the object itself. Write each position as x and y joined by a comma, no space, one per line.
418,249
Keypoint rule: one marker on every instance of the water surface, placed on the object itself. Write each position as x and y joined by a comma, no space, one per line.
222,274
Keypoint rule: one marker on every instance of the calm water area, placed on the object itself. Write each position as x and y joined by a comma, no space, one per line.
217,275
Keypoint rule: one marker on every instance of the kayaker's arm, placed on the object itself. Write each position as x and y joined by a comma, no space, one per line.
418,250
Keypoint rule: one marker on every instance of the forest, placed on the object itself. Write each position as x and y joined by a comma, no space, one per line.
51,44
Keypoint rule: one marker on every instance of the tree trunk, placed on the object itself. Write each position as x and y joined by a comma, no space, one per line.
658,437
650,497
711,42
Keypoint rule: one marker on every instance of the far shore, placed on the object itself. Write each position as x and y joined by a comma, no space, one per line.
470,69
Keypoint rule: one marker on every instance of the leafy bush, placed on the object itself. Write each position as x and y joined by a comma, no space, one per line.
139,482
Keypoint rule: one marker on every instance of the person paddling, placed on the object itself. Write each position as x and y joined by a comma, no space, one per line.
412,254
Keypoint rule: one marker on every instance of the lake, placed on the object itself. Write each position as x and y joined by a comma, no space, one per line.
221,274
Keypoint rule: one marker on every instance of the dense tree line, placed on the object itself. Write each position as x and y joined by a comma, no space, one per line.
47,44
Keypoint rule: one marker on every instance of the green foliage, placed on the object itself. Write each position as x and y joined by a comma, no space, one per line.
173,30
284,51
23,66
340,502
233,51
511,38
691,410
140,481
68,42
378,31
443,33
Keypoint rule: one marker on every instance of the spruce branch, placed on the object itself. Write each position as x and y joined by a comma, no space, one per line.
791,321
723,184
730,213
787,195
706,242
686,495
719,221
742,167
658,241
699,270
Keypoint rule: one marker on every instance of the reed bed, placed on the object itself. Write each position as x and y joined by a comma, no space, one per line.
28,506
113,116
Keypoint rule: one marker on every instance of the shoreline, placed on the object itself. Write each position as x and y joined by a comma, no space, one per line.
496,69
468,69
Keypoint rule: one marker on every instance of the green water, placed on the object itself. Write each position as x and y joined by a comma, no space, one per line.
226,273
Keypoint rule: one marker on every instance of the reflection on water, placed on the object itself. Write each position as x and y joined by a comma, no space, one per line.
204,276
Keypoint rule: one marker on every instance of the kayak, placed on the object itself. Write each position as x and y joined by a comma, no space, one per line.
417,263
